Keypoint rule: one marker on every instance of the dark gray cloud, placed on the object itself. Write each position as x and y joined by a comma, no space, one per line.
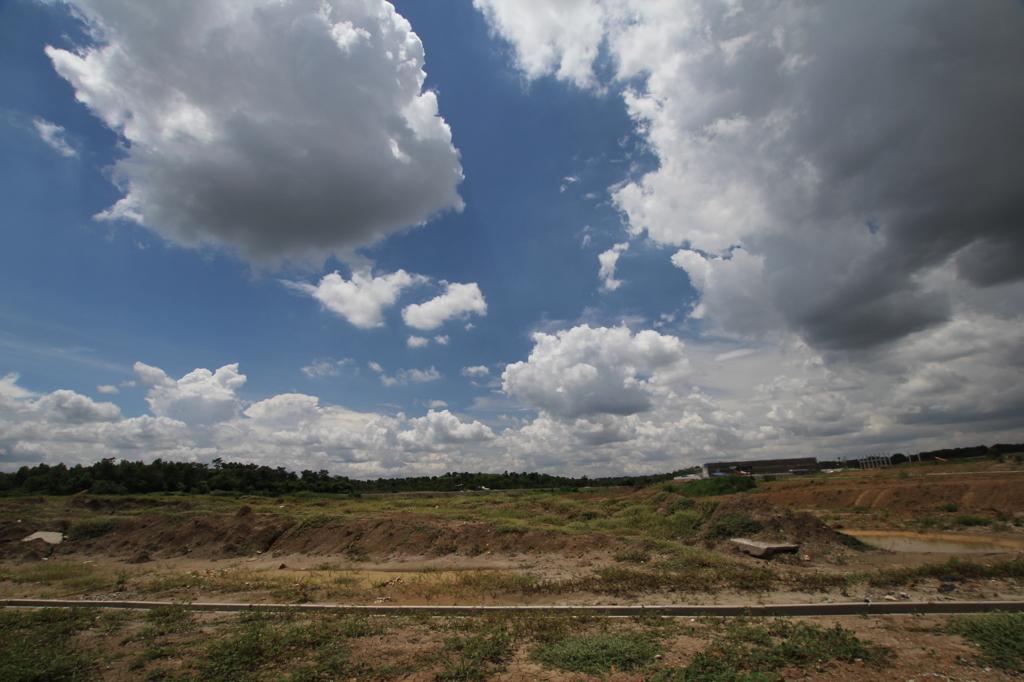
848,149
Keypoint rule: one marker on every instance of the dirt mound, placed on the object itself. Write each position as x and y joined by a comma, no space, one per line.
215,536
426,536
777,525
245,533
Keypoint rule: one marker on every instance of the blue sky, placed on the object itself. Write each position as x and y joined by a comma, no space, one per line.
584,237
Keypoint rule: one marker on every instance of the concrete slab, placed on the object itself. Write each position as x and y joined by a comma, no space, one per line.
762,550
53,538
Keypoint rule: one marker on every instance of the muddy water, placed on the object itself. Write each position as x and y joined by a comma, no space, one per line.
897,541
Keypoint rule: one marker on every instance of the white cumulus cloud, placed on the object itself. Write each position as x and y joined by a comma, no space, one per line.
587,371
362,299
200,397
609,259
458,300
283,128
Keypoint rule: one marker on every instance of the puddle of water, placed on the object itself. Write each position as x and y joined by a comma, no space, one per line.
951,544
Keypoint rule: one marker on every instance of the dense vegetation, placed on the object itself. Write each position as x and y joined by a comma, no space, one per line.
108,477
995,452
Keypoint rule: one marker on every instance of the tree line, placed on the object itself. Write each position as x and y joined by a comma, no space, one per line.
995,452
108,477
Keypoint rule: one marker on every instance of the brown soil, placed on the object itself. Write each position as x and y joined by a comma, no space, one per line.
997,488
219,536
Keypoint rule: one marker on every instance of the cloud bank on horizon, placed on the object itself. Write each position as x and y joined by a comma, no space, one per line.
836,188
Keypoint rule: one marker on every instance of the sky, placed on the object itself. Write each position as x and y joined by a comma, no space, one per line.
582,237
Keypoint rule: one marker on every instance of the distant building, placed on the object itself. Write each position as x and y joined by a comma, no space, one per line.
761,467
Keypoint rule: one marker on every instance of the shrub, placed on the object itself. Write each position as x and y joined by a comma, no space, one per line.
88,529
854,542
950,507
732,526
682,524
967,520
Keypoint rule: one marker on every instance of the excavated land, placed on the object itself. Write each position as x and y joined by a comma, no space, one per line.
586,548
993,489
650,546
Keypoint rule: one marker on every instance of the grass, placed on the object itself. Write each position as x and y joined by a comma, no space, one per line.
719,485
263,643
751,650
999,636
35,646
955,569
475,657
633,556
91,528
64,575
599,654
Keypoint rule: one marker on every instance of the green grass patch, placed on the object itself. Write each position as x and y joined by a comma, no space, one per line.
475,657
35,646
999,636
746,650
732,526
719,485
91,528
954,568
969,520
633,556
65,575
314,521
598,654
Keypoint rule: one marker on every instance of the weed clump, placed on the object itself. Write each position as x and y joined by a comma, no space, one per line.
598,654
1000,636
752,651
475,658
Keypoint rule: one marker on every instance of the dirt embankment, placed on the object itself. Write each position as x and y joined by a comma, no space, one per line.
218,536
988,492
